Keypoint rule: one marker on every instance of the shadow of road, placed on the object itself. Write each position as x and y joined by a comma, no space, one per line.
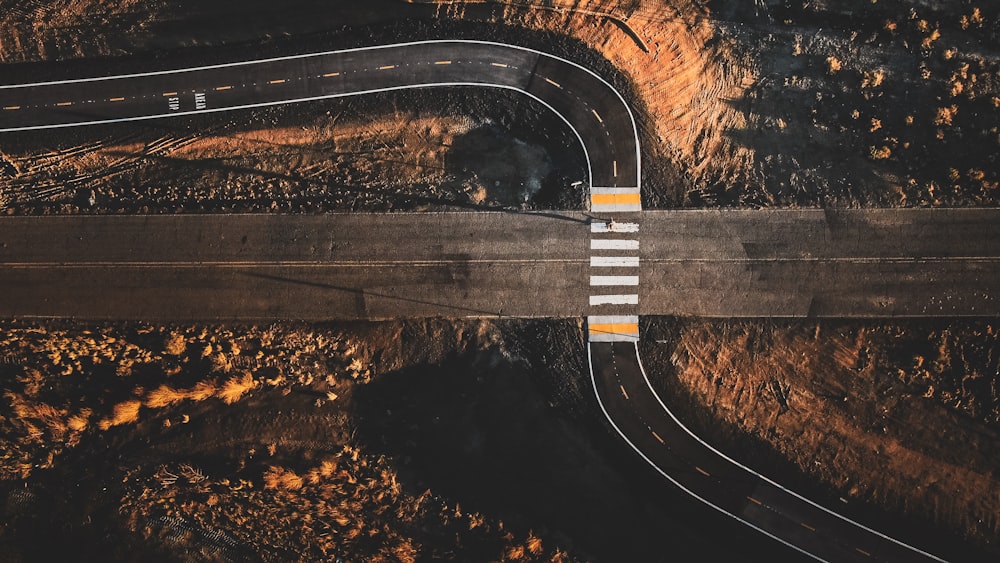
479,430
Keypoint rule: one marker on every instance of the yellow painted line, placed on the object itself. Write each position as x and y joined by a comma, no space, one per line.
329,74
622,387
657,436
387,67
597,115
862,552
755,501
553,82
64,104
168,94
702,471
220,88
807,526
443,63
278,81
613,199
625,328
501,65
117,100
11,107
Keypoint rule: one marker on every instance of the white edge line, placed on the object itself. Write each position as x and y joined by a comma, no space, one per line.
586,155
764,478
593,380
635,130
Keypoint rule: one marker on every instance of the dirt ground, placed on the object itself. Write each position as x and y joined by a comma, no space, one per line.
395,441
770,103
330,156
903,415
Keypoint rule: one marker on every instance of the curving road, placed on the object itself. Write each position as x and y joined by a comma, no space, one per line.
636,412
80,266
594,110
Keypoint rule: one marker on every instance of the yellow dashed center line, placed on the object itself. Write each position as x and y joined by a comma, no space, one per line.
220,88
387,67
755,501
597,115
11,107
168,94
329,74
622,387
702,471
658,439
553,82
117,100
501,65
278,81
64,104
807,526
443,63
862,552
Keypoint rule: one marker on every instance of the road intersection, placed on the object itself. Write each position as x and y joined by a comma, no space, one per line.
776,263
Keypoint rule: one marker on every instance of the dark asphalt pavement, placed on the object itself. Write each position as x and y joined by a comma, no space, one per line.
646,424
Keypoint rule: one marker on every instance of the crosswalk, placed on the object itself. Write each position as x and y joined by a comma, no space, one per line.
614,279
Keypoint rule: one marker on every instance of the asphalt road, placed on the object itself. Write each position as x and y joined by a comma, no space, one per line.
789,263
821,263
589,105
660,438
267,267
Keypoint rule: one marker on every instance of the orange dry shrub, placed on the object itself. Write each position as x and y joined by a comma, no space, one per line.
236,387
164,396
930,39
945,115
277,477
27,411
515,553
880,153
175,345
832,64
79,421
203,390
534,544
125,412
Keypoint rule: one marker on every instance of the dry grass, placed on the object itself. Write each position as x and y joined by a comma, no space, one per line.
203,390
280,478
810,393
164,396
235,387
126,412
175,345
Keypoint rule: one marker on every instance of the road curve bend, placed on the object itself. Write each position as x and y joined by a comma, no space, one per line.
592,108
603,123
640,417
